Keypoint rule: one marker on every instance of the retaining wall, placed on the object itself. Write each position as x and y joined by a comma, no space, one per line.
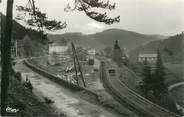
57,79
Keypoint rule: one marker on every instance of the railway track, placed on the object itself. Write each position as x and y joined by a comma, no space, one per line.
133,101
117,97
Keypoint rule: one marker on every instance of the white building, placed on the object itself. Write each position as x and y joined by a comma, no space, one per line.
55,48
148,57
92,52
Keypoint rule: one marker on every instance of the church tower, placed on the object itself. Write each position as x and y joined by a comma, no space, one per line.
117,53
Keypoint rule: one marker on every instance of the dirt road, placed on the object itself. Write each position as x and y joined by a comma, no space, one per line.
65,101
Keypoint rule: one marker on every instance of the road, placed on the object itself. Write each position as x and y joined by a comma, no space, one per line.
71,104
64,99
18,60
139,103
175,85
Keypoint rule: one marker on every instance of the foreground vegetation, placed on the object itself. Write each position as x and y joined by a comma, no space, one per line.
154,86
23,103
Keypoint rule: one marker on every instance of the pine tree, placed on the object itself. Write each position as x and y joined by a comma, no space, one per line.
147,81
160,88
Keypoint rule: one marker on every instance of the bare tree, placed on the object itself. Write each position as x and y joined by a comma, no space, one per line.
40,20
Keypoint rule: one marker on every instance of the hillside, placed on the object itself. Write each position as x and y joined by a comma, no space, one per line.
127,39
171,49
30,42
18,31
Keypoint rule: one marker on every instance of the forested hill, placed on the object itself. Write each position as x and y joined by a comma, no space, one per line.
106,38
101,40
19,31
172,49
30,42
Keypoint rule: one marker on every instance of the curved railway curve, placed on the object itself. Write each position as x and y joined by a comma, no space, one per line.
140,105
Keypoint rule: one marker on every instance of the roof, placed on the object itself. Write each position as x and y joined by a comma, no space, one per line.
56,44
147,55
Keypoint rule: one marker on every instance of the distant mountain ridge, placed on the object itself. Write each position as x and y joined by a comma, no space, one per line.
127,39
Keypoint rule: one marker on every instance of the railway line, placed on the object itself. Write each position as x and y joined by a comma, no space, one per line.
127,97
124,110
140,105
65,100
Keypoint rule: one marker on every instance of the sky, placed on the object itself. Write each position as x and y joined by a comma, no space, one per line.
165,17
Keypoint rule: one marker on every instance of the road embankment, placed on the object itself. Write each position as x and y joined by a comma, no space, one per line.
56,79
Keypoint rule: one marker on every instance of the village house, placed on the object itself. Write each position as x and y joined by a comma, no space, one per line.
91,52
147,57
56,48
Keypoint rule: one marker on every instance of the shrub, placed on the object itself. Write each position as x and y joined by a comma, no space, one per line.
18,76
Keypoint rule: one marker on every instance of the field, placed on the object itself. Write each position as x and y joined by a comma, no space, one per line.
178,95
174,72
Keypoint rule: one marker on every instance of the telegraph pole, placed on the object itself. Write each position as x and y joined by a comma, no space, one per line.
79,66
15,48
75,65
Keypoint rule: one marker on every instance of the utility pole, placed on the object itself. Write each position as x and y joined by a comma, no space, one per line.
16,48
77,64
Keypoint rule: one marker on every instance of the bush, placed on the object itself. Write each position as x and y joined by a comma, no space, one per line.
18,76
